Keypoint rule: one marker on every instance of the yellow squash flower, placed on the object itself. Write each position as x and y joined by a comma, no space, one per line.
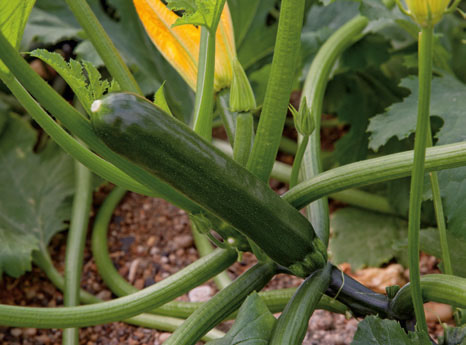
180,44
427,12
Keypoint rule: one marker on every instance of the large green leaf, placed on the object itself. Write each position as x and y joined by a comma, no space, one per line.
51,21
13,18
453,335
376,233
448,101
35,194
430,244
254,37
375,331
253,326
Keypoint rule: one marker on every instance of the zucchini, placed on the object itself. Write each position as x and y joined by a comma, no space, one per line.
143,133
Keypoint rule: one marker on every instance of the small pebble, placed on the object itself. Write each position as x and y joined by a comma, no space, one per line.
133,269
200,294
164,336
16,332
183,241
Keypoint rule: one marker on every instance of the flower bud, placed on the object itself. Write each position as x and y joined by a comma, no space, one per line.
303,120
427,12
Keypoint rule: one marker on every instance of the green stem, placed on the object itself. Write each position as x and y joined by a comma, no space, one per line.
278,91
275,300
298,160
417,177
75,245
439,215
123,307
203,107
362,199
441,288
222,304
293,322
103,45
243,138
105,266
313,93
372,171
80,127
164,323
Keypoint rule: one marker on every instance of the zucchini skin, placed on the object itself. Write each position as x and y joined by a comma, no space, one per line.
143,133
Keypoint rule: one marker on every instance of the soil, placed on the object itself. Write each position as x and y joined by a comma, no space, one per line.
149,239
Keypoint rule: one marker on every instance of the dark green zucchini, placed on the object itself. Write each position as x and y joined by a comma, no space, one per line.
140,131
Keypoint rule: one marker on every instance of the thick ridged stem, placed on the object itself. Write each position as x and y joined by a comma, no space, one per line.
204,105
222,304
370,171
278,91
313,93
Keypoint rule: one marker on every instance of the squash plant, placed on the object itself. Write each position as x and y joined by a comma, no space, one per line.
158,149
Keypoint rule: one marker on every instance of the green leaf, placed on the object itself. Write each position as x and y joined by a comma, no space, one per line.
430,244
453,336
375,331
254,34
354,228
51,21
13,17
253,326
36,190
198,12
448,102
86,89
161,101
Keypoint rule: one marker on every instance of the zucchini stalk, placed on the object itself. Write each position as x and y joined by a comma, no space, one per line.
143,133
293,322
222,304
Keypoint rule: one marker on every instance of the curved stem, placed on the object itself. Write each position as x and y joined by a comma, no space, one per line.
293,322
163,323
274,299
441,288
103,45
417,177
75,244
222,304
278,91
313,93
372,171
203,107
124,307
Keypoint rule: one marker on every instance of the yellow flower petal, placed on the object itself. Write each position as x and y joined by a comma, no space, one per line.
180,44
